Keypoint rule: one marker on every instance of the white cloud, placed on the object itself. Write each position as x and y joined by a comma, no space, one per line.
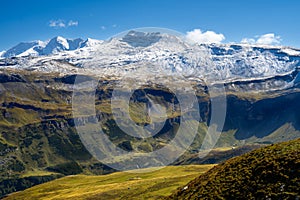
267,39
198,36
57,23
62,24
103,27
73,23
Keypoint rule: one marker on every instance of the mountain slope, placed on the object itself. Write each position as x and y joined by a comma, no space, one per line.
272,172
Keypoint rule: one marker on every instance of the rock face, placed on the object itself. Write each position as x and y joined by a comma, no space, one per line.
141,39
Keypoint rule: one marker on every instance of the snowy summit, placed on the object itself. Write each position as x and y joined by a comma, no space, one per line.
158,52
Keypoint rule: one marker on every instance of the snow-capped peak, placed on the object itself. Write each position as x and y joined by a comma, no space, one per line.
1,53
53,46
62,41
22,48
164,54
90,42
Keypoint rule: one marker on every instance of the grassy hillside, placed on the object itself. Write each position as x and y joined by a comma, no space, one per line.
119,185
271,172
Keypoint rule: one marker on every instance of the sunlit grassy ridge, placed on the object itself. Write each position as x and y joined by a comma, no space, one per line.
120,185
271,172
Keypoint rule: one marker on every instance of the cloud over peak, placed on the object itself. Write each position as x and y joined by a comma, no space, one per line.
62,24
72,23
267,39
197,36
57,24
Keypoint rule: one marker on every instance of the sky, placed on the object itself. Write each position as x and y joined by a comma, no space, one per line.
257,21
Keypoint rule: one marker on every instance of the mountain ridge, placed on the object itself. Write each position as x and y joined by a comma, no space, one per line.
141,55
135,38
173,53
48,47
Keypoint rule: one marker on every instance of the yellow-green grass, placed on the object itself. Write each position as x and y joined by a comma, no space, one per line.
37,172
272,171
120,185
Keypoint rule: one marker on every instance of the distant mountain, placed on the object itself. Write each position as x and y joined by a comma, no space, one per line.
53,46
272,172
24,49
1,53
90,43
59,44
268,67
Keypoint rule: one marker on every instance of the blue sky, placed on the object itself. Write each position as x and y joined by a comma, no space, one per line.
235,20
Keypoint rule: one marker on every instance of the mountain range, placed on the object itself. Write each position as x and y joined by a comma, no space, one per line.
55,45
38,137
137,54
